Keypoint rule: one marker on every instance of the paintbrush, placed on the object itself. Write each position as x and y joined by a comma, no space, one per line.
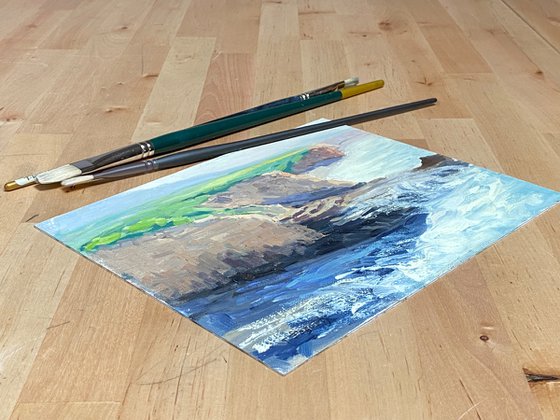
190,136
32,179
196,155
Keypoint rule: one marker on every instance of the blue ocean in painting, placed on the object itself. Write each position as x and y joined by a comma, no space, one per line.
452,213
284,249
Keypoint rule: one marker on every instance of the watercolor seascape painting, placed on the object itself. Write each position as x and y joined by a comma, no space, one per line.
284,249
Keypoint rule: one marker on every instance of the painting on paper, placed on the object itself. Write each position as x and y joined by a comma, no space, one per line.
284,249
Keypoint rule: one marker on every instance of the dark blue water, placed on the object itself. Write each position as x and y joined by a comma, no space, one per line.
328,302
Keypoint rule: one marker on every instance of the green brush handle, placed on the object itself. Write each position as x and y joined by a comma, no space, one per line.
211,130
217,128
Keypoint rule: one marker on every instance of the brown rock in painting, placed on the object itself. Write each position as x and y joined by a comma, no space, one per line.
319,155
202,255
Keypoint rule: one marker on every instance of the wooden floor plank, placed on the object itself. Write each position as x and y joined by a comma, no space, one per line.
24,329
522,61
67,410
542,17
99,374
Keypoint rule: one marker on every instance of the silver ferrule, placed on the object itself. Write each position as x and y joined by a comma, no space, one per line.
147,149
151,165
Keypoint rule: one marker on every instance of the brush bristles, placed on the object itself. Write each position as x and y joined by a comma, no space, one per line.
58,174
70,182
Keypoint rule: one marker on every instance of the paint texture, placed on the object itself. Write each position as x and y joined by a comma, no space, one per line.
284,249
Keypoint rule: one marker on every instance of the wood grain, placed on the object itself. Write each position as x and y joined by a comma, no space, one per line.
80,77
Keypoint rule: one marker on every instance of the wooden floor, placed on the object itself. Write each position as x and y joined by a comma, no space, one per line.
78,77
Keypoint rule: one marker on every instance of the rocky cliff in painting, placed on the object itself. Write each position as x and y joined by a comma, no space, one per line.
281,217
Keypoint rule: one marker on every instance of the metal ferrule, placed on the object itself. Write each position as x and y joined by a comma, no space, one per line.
151,165
147,149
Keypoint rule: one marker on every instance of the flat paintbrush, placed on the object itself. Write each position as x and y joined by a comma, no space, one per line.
196,155
200,133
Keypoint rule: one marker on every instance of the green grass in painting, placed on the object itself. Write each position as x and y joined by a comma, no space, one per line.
184,206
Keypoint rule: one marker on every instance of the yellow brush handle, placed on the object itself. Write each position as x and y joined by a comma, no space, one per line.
364,87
